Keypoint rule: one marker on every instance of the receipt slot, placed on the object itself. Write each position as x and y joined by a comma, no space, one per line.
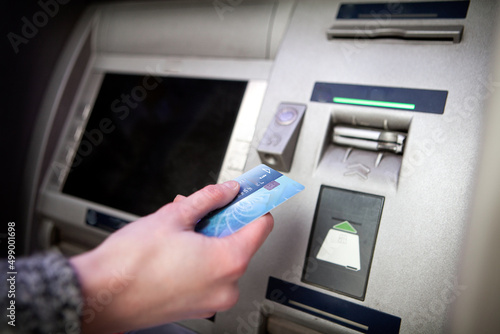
342,241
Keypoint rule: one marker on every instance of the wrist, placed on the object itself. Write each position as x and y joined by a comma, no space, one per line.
100,284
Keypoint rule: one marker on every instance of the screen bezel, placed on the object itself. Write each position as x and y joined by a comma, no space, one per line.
66,210
130,157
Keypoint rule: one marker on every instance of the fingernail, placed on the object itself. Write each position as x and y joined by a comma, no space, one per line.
231,184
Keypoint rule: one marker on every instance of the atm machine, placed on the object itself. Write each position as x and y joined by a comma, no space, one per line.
377,108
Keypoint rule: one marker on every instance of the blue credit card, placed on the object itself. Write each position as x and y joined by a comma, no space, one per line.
261,189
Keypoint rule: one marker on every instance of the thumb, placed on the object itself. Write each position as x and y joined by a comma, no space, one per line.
187,211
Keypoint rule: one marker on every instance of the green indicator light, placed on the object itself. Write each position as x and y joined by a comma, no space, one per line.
374,103
345,226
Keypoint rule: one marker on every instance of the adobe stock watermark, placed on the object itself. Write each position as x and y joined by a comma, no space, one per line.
121,108
30,28
469,107
92,305
418,156
225,6
225,174
378,19
265,308
437,307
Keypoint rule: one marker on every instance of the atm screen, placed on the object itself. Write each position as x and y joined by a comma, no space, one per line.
150,138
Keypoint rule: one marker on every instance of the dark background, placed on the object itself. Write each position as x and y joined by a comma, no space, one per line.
24,78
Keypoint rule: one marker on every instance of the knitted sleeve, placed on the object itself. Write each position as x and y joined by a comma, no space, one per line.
42,296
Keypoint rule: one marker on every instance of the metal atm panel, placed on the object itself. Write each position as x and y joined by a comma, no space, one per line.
426,190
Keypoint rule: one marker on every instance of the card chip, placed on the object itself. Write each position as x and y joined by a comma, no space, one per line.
271,185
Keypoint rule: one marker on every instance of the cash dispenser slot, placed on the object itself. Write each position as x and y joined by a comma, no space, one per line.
351,315
419,33
278,325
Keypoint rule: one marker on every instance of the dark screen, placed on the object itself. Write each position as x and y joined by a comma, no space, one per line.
151,138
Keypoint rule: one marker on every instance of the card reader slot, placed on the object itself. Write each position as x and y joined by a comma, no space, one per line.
364,145
420,33
369,139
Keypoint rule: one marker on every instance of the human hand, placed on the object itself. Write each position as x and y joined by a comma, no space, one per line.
158,270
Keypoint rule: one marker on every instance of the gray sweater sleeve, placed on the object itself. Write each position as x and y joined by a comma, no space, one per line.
46,296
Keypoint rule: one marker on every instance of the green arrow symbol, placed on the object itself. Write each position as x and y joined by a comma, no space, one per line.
346,227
